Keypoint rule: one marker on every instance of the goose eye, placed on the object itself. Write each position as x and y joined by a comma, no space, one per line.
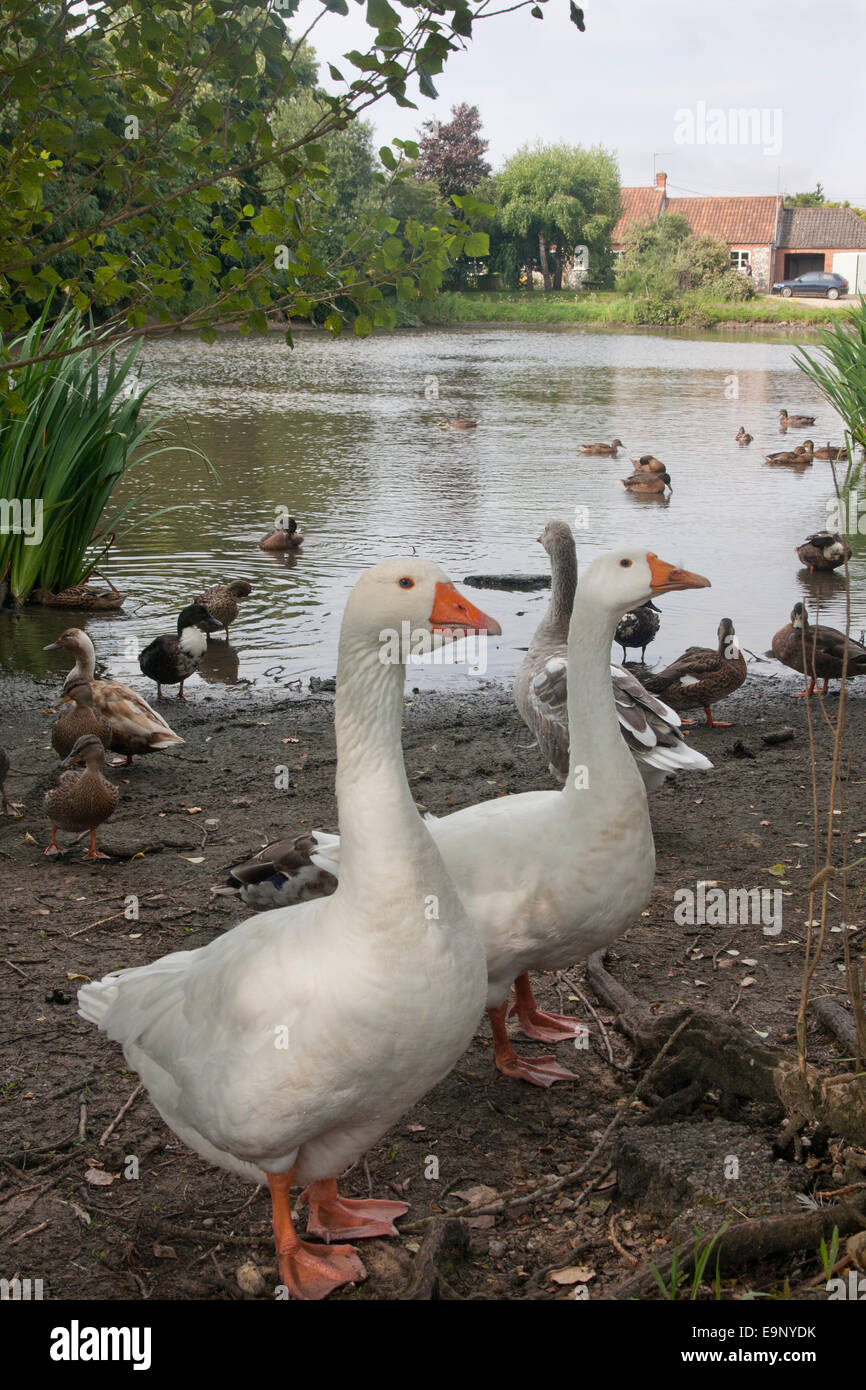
406,583
625,564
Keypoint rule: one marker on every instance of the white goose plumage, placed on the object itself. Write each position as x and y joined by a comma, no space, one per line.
551,876
375,992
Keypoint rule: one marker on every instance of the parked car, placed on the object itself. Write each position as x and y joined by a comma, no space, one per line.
814,282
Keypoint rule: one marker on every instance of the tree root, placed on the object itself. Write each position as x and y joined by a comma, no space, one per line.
749,1242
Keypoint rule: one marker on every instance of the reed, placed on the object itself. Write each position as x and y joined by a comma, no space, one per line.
70,430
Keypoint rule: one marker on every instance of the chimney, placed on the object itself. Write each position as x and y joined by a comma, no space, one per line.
661,181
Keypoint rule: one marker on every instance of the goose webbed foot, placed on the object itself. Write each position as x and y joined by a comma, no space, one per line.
538,1071
333,1217
309,1272
537,1024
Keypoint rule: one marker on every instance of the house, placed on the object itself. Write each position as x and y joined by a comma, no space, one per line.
777,243
822,239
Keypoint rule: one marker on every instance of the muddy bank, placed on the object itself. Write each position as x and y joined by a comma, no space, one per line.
181,1229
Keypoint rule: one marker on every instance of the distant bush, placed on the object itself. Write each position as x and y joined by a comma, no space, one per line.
664,260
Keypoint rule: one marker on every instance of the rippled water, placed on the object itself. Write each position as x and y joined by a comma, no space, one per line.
345,435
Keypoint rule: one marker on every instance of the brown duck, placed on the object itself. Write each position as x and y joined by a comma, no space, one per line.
604,450
832,451
81,800
79,718
742,437
285,536
824,550
799,422
823,649
647,463
221,600
702,676
800,456
648,484
459,424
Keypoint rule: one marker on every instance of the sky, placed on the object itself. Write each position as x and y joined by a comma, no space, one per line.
648,80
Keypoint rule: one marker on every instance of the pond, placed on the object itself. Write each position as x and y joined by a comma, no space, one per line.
345,435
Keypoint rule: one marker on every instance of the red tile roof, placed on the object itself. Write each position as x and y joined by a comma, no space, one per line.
738,221
637,205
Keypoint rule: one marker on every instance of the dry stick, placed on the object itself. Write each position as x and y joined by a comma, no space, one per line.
599,1020
514,1199
106,1133
32,1232
91,925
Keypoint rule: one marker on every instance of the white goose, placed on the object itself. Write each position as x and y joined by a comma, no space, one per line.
284,1049
136,727
551,876
651,729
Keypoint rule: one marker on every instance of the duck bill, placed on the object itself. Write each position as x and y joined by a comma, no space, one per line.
666,578
52,647
454,612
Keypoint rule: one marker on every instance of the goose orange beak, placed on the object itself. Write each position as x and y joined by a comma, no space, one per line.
452,610
666,578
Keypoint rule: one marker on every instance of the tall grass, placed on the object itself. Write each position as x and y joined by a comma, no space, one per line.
838,369
70,430
579,306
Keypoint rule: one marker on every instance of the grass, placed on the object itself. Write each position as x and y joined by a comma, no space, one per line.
610,307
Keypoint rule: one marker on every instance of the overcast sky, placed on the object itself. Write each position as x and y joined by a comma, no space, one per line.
649,78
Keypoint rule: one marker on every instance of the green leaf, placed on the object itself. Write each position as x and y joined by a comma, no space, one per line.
575,14
381,16
362,326
477,244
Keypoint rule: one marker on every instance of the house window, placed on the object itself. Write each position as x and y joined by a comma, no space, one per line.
739,259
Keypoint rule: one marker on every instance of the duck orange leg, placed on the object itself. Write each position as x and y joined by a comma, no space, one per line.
536,1024
52,847
809,690
715,723
308,1271
93,852
538,1071
333,1217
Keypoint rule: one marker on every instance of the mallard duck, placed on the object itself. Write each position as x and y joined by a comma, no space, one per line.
4,773
799,422
824,650
285,535
459,424
605,450
172,660
287,1046
79,718
799,457
836,452
81,800
136,728
742,437
649,727
536,870
638,628
284,873
824,550
702,676
221,600
647,463
648,484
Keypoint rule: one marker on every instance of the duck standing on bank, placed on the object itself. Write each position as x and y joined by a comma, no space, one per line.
221,601
824,550
285,535
79,718
136,728
8,809
172,660
638,628
82,800
702,676
282,1050
818,653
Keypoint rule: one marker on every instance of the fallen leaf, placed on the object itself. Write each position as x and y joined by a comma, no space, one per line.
572,1274
481,1223
477,1196
249,1278
192,810
165,1252
199,859
99,1178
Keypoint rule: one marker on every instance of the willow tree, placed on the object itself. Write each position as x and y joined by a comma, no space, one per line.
143,177
562,197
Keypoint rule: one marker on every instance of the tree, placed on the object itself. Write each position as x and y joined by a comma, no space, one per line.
806,200
665,260
452,152
557,197
141,171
